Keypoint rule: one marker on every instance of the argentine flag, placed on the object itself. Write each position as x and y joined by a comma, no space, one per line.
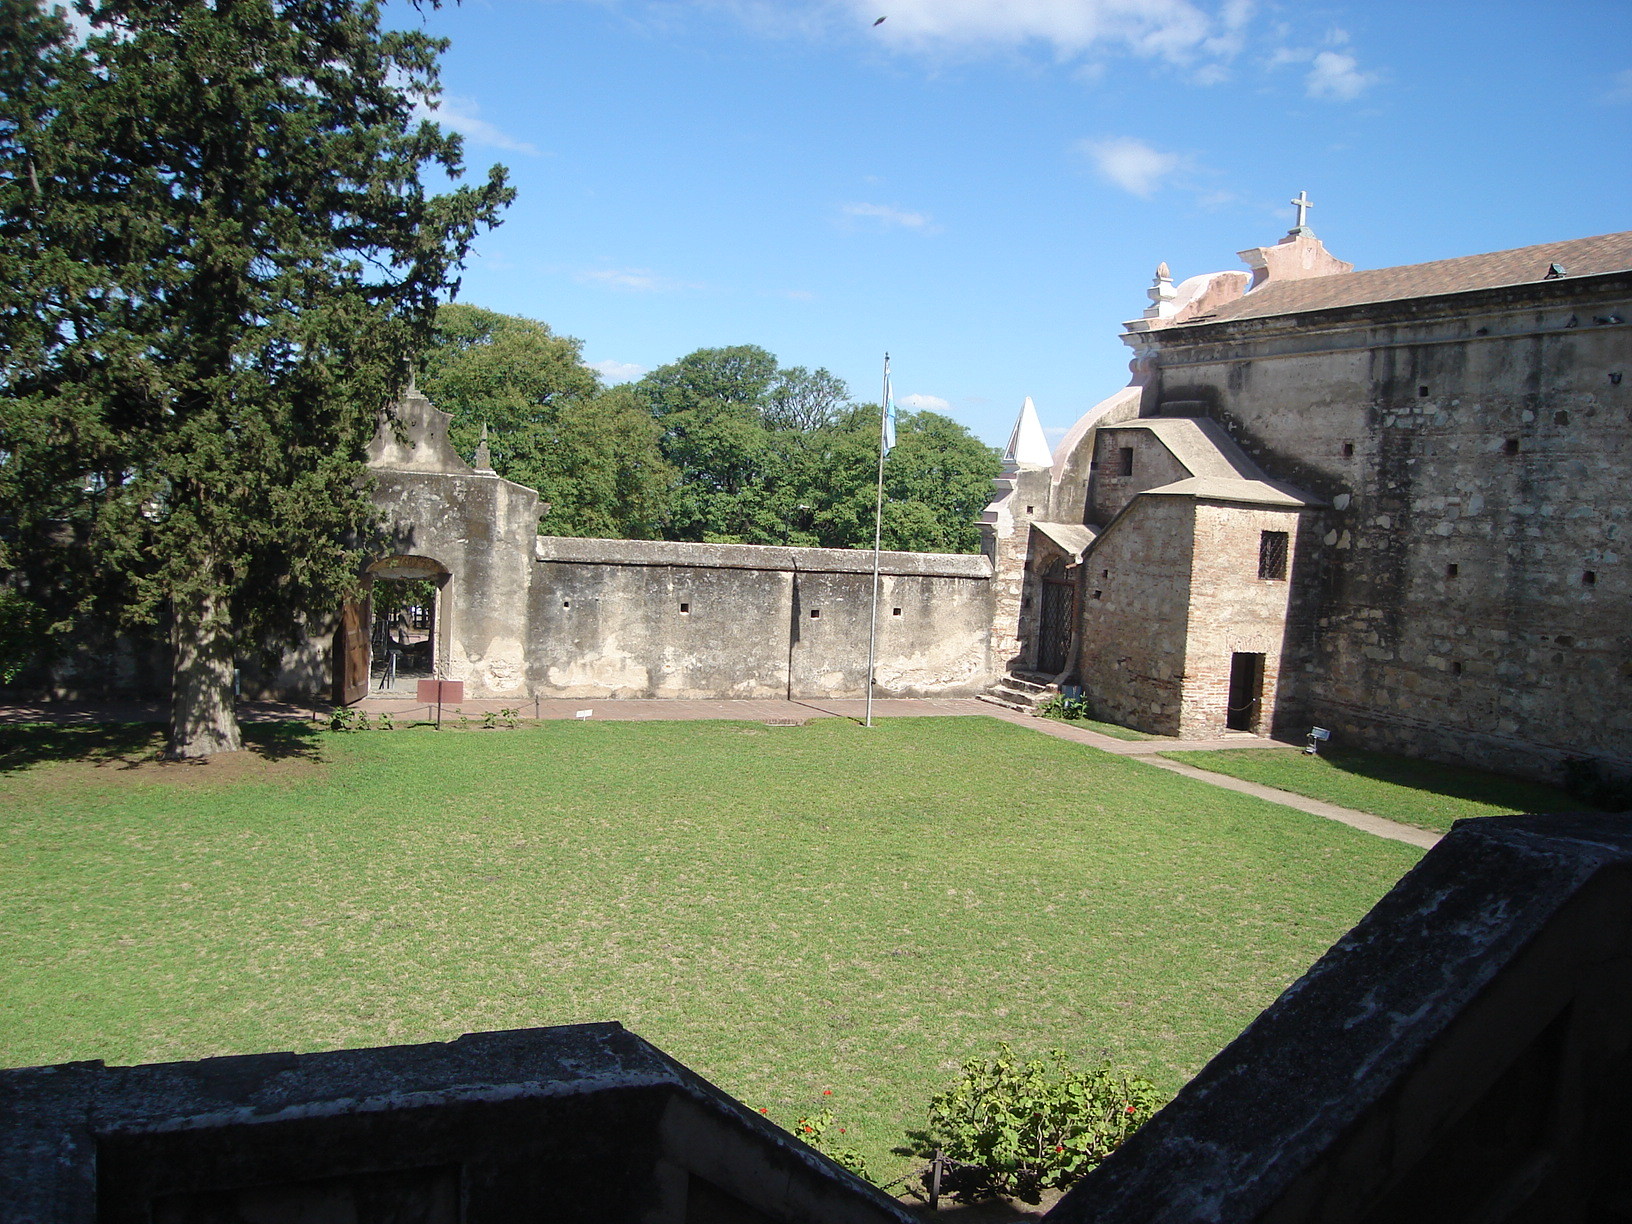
889,411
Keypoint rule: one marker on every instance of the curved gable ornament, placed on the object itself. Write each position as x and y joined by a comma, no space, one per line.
413,437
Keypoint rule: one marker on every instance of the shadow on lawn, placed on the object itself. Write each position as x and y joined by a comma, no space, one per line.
134,745
1478,786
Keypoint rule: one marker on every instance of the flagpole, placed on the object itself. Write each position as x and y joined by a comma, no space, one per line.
878,534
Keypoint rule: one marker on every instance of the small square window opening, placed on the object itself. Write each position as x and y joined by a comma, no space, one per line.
895,612
1510,447
1125,458
686,608
1451,570
815,614
1589,577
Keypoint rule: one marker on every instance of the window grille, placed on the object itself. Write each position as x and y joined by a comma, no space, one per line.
1272,555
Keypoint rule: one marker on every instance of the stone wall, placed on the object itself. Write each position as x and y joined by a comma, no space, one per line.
1153,466
1233,610
1471,598
1136,615
636,618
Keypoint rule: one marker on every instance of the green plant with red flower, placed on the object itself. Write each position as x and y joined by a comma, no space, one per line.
1020,1128
818,1130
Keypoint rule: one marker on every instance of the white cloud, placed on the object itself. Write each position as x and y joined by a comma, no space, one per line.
634,280
1621,90
461,115
889,218
1338,77
618,371
1131,164
932,402
1168,29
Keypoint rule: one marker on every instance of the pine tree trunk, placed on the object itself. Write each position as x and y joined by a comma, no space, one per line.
203,720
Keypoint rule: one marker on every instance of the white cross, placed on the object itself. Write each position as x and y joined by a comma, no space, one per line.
1303,204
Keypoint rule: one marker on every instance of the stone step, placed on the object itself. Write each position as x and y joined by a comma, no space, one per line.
1017,706
1022,698
1023,685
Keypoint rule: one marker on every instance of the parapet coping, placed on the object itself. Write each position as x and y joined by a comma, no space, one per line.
62,1108
1345,1034
759,557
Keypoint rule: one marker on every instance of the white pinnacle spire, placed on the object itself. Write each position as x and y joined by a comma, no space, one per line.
1027,446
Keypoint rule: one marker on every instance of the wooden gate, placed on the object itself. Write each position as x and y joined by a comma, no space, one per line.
1054,637
351,653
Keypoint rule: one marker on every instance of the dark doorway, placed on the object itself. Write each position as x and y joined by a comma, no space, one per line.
1246,692
1059,602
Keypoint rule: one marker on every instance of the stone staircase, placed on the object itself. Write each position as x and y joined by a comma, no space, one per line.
1023,691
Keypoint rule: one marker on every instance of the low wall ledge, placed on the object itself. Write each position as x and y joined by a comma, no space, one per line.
759,557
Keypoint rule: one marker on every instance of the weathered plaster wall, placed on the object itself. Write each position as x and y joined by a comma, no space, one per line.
1022,496
480,528
629,618
1485,431
1232,609
1136,615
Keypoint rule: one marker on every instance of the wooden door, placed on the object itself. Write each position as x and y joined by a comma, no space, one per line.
351,653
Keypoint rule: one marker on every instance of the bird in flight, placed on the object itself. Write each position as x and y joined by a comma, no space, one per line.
879,22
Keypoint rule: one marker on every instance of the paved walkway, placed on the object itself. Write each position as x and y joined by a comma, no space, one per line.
769,710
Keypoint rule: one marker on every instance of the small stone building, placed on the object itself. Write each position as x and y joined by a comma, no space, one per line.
1390,502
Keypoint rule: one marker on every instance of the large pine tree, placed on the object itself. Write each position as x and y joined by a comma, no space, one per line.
218,260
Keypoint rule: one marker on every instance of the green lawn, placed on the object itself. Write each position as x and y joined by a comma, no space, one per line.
786,910
1413,792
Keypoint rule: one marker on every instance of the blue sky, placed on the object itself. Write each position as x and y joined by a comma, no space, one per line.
984,187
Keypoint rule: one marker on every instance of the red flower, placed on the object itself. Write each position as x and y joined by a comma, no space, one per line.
1059,1149
827,1092
841,1130
763,1110
1130,1108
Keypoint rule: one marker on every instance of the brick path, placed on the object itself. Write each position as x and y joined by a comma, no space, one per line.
767,710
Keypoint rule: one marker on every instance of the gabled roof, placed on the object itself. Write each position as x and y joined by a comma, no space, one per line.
1523,265
1219,469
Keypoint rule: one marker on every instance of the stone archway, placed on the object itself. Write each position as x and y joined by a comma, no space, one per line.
408,608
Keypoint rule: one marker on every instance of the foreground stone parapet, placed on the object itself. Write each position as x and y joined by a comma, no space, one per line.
1461,1055
576,1123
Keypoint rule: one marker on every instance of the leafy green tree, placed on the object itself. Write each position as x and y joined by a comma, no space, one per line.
709,405
773,455
220,259
591,453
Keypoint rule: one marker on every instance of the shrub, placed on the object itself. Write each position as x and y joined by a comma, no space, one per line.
1016,1128
1061,706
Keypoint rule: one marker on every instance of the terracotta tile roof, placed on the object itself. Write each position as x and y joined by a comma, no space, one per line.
1579,257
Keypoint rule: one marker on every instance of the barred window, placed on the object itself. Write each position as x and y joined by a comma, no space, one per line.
1272,554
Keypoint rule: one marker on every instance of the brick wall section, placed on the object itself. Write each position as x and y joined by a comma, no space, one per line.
1153,466
1134,632
1232,609
1403,416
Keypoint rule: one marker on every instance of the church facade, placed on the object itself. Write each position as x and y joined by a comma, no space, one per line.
1392,503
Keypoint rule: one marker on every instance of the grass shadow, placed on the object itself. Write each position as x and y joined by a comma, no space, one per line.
1453,782
132,745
